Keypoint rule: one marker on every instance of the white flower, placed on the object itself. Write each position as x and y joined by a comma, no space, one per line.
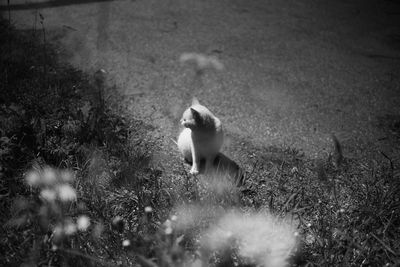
148,209
126,243
174,218
32,178
66,192
69,228
168,230
48,194
168,227
265,239
167,223
83,222
49,176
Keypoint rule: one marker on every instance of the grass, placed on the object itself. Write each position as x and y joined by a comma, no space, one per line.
78,186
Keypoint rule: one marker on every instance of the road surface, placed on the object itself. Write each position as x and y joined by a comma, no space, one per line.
296,71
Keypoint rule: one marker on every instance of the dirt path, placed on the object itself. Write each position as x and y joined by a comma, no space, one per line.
295,71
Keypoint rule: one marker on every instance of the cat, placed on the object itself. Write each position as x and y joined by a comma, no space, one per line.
202,137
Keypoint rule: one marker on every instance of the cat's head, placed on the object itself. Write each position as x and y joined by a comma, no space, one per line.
190,118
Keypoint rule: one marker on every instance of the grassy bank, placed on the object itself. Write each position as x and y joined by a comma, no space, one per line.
78,186
54,118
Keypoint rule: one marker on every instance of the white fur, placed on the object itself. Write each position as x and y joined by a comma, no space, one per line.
202,137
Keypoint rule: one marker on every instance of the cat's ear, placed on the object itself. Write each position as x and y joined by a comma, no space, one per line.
195,101
195,113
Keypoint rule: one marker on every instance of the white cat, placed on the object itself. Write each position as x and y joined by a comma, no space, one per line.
202,137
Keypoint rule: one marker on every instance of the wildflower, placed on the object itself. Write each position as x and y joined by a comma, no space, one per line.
83,222
66,192
126,243
69,228
260,237
48,194
32,178
148,209
168,230
168,227
49,176
174,218
167,223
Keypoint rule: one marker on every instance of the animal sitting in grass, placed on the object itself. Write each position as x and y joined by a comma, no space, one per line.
202,137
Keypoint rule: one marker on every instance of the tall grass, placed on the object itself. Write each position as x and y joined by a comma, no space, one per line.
54,117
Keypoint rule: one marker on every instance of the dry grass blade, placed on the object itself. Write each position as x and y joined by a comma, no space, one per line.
98,261
145,262
384,245
290,198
